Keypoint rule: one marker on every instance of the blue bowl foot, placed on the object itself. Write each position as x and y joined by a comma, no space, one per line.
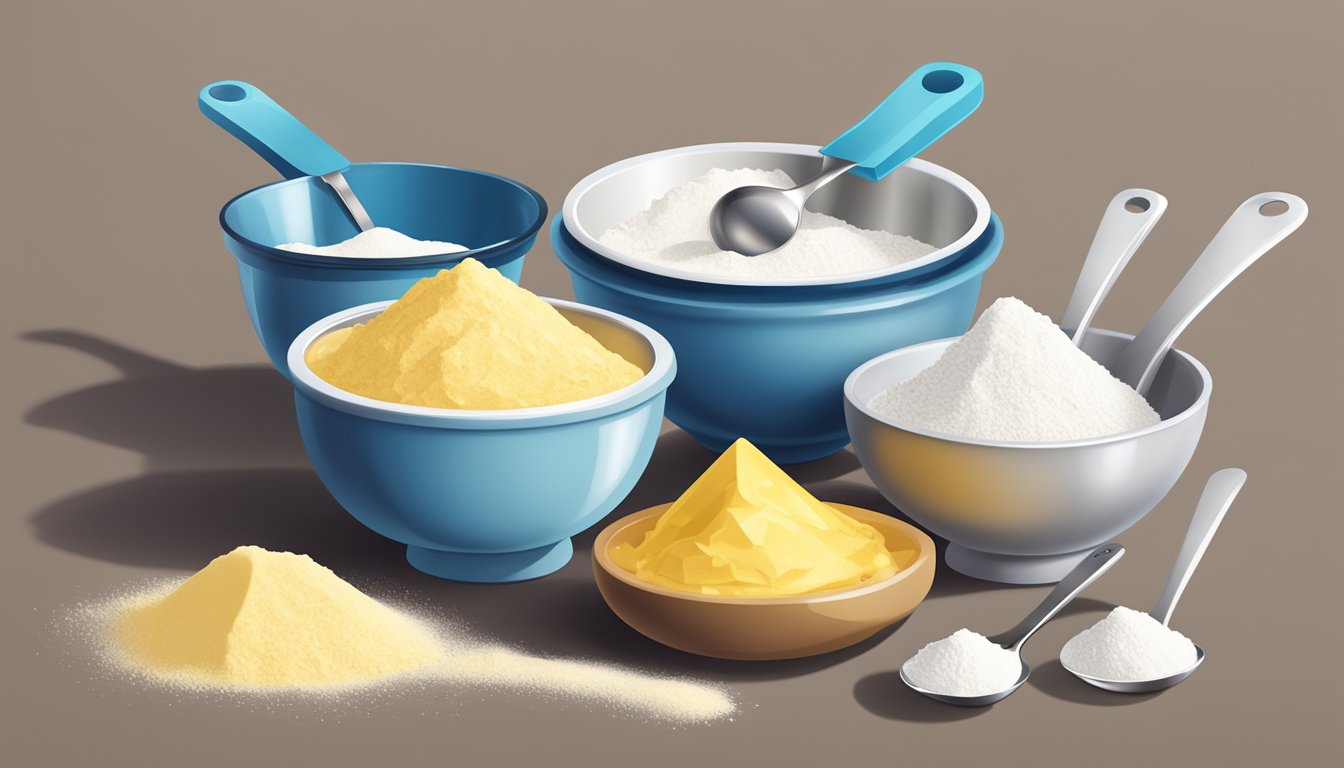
786,453
491,568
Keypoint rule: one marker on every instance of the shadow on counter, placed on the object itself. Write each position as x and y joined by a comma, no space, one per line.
225,467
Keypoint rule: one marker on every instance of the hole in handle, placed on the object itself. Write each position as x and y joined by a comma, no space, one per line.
228,92
943,81
1274,208
1137,204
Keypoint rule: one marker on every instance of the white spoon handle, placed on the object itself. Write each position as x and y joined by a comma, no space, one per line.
1249,232
1218,494
1128,219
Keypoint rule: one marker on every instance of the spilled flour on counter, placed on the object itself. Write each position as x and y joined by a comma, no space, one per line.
1016,376
260,622
377,243
674,232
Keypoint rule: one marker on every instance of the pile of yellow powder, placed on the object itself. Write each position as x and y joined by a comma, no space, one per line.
262,621
744,528
469,338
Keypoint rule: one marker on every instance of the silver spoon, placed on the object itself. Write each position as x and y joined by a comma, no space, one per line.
1128,219
756,220
1257,225
1218,494
1092,566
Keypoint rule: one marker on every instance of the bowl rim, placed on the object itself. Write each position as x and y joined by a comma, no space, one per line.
580,232
927,555
651,384
483,253
1201,402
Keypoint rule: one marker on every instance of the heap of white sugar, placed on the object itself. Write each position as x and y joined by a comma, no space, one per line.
965,663
1128,645
1015,376
377,243
674,232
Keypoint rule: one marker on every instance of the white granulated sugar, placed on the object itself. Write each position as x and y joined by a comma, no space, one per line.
1015,376
674,232
377,243
1128,645
965,663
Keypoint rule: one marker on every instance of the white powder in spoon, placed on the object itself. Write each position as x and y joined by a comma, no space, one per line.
1016,376
965,663
1128,645
674,232
377,243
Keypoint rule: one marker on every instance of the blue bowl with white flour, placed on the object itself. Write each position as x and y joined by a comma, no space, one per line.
496,218
485,496
766,358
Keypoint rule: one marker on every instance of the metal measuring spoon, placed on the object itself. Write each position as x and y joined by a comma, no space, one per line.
1257,225
1092,566
245,111
1128,219
1218,494
756,220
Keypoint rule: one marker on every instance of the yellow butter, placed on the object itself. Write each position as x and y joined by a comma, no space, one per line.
745,528
260,619
469,338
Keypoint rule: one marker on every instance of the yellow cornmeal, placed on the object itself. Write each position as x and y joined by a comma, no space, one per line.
744,528
260,619
469,338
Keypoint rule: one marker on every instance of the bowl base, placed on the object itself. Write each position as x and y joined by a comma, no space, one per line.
1012,569
494,567
791,453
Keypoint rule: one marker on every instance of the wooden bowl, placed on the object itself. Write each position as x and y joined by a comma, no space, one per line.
763,628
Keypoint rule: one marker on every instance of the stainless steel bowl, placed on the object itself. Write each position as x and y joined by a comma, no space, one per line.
1026,513
919,199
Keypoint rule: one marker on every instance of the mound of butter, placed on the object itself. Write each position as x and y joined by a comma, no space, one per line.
744,528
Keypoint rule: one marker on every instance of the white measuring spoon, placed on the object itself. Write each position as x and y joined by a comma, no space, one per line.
1218,495
1128,219
1086,572
1257,225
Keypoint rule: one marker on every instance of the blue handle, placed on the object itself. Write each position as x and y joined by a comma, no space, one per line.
245,111
923,108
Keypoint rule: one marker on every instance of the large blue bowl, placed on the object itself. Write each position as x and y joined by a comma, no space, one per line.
497,218
769,364
485,496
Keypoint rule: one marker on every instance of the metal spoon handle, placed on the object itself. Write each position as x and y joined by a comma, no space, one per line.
1218,494
1128,219
1252,229
1092,566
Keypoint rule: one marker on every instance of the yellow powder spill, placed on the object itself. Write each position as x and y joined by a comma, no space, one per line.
744,528
469,338
260,621
255,618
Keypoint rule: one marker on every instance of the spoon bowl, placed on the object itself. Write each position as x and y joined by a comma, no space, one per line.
983,700
1140,686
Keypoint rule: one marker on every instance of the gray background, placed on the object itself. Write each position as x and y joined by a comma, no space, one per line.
143,433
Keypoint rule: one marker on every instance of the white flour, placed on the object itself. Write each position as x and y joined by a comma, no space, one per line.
1128,645
377,243
1016,377
964,664
674,232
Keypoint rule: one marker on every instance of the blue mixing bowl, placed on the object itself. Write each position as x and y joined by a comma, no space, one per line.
771,366
766,358
497,218
485,496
